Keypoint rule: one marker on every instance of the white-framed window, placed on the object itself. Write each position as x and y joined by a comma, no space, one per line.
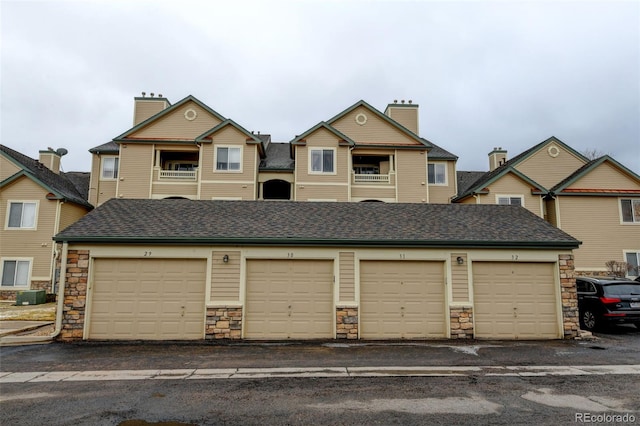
228,158
510,200
15,272
109,168
633,259
630,210
322,160
437,173
22,215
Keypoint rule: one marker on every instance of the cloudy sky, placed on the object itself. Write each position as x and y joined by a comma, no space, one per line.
484,73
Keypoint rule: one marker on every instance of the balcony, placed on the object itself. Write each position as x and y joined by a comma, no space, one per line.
182,175
371,178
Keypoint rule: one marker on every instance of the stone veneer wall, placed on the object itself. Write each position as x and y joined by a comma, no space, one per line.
461,322
346,323
75,295
35,285
570,317
223,323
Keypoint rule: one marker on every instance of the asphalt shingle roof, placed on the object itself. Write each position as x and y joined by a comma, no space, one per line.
109,147
278,157
56,182
311,223
466,179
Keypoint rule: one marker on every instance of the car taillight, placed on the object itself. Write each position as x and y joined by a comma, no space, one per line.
610,300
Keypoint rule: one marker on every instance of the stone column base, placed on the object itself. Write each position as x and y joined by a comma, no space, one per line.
223,323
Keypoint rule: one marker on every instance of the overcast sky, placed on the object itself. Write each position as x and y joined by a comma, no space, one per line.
485,74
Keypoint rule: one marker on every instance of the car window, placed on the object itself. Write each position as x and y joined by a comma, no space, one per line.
582,286
622,289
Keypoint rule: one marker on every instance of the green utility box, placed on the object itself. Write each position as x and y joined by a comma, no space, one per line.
30,297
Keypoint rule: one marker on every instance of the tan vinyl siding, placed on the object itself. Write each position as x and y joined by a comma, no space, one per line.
412,176
459,278
443,193
174,125
29,243
578,217
347,277
70,213
136,161
375,131
405,116
229,136
373,192
548,170
225,277
323,139
144,109
512,185
606,176
7,168
163,190
551,217
228,190
322,192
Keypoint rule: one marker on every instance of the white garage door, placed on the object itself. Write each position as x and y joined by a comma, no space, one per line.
289,299
515,300
402,300
147,299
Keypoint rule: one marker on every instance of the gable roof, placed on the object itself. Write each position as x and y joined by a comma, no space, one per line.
563,187
288,223
165,112
466,179
509,167
384,117
251,138
57,184
300,139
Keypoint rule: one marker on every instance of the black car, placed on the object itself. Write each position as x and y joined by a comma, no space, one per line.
605,301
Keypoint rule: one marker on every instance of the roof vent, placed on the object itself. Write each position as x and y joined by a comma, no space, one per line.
410,101
151,94
144,94
402,101
395,101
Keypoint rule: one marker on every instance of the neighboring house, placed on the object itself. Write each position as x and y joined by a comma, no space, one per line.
597,201
37,201
188,150
195,269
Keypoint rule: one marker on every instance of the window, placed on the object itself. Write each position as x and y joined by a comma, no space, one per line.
15,273
228,158
633,259
437,173
110,167
630,210
322,160
22,215
510,200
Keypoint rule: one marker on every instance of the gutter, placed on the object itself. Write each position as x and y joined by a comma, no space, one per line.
33,340
284,242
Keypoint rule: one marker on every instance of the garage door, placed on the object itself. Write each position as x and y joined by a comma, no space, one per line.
402,300
148,299
515,300
289,299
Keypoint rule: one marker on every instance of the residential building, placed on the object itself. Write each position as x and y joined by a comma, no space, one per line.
597,201
37,201
188,150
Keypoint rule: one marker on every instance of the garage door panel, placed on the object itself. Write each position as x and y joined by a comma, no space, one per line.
515,300
289,299
148,299
402,299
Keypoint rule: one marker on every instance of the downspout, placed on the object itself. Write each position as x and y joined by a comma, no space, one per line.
9,340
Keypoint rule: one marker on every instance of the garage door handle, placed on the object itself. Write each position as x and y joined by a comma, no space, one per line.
515,313
182,313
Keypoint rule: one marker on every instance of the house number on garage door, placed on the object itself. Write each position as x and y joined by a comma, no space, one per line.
147,253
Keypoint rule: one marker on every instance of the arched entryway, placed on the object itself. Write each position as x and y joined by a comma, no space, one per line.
276,189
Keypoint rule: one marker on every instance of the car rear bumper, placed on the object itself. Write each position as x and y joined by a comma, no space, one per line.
622,317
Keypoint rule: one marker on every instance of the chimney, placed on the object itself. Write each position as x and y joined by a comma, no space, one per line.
497,158
147,106
50,159
406,114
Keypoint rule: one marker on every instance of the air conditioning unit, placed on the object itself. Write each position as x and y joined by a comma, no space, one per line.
30,297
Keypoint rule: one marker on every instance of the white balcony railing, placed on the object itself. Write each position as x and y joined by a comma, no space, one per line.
357,178
177,175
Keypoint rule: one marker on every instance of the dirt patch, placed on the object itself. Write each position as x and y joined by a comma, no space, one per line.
43,312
